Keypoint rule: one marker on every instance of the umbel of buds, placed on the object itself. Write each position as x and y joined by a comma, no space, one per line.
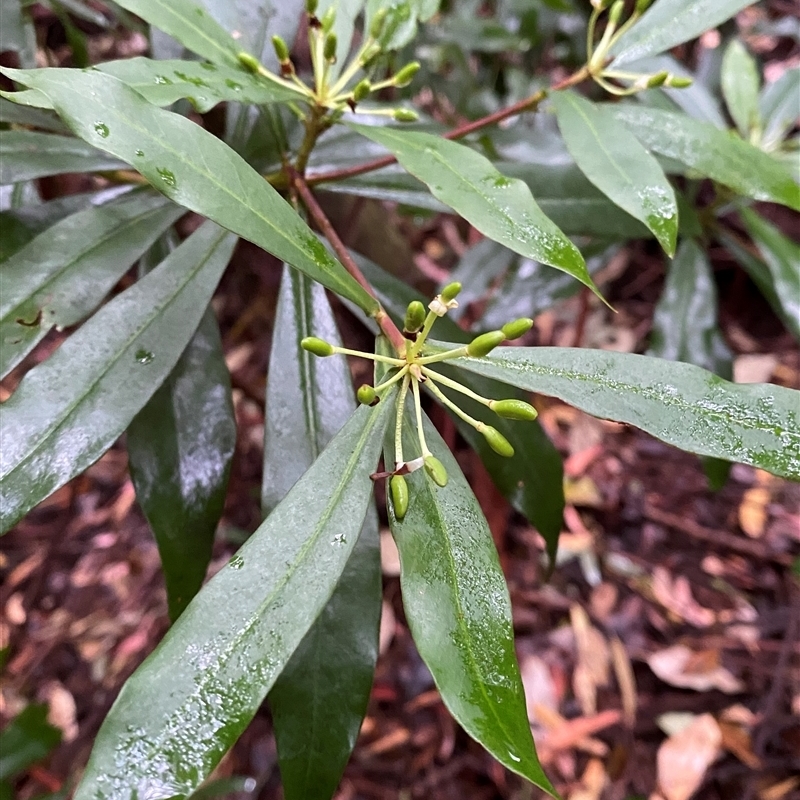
416,368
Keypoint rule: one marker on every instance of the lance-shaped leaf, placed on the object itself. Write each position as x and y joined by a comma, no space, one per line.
740,85
782,257
191,24
501,208
190,700
670,22
192,167
319,700
180,447
458,609
616,163
69,410
711,152
780,107
66,271
683,405
16,114
25,155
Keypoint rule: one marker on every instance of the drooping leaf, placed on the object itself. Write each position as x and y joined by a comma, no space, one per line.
740,85
683,405
15,114
501,208
459,612
780,107
180,447
192,167
670,22
66,271
685,326
190,700
28,738
69,410
319,700
711,152
25,155
614,161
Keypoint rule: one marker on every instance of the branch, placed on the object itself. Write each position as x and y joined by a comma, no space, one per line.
388,328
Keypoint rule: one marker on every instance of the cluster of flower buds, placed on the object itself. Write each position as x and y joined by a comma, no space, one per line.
414,368
598,55
339,93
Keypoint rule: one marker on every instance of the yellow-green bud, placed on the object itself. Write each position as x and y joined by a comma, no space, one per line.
415,317
311,7
368,56
436,470
319,347
657,80
250,63
450,292
642,6
329,50
497,441
405,75
399,490
519,327
281,50
378,21
678,82
328,18
405,115
484,344
361,90
615,14
514,409
367,396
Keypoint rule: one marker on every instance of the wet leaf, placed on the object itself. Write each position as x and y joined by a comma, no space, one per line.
740,85
614,161
69,410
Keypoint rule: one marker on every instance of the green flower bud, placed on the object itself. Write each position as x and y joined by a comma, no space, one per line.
657,80
249,62
615,14
642,6
367,396
519,327
399,490
318,347
450,292
497,441
328,18
405,75
281,50
678,82
405,115
329,50
311,7
369,55
436,470
514,409
415,317
484,344
378,21
361,90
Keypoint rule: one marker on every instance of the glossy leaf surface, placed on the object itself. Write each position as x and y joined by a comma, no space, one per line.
180,447
459,612
713,153
191,699
740,84
25,155
670,22
192,167
683,405
501,208
614,161
319,700
69,410
65,272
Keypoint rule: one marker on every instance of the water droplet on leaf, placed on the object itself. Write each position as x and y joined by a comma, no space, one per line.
168,176
140,153
236,562
101,129
231,84
163,80
340,538
144,356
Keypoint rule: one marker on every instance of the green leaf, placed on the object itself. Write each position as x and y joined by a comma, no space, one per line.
740,85
501,208
683,405
66,271
319,700
28,738
180,447
190,700
69,410
685,324
16,32
711,152
780,107
458,609
670,22
192,25
478,268
614,161
15,114
192,167
25,155
782,257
